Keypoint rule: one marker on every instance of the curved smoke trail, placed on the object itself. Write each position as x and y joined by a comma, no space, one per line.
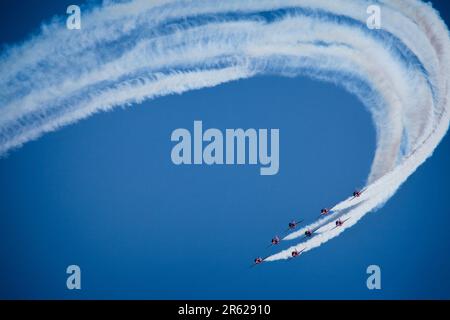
130,51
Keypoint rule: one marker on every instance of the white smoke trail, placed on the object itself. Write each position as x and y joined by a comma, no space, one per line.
131,51
382,189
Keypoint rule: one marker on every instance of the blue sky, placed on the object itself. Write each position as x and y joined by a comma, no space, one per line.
104,194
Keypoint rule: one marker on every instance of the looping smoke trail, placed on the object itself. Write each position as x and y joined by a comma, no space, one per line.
131,51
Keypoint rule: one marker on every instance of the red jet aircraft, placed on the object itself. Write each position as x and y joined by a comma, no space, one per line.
293,224
339,223
296,253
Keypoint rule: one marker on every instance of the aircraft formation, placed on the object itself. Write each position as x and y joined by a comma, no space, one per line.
309,233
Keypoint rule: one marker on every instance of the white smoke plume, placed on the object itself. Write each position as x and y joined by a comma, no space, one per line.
127,52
